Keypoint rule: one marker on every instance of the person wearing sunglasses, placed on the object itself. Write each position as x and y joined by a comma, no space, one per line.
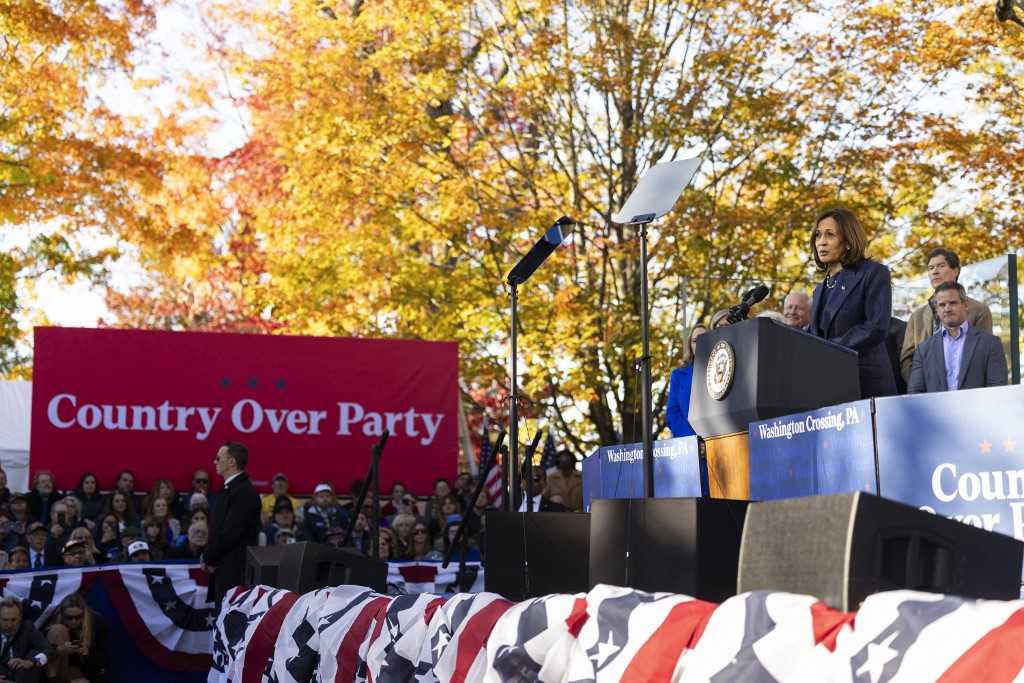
541,503
200,484
422,545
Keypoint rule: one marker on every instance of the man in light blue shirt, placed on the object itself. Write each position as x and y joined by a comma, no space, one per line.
953,351
959,355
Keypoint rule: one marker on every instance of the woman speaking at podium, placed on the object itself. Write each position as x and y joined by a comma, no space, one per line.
853,303
677,413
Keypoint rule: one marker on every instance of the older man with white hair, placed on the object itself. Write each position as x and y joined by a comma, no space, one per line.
797,309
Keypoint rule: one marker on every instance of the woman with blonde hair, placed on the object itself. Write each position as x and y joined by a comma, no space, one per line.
678,410
79,639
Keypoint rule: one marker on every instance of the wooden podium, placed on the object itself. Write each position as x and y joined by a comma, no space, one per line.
757,370
728,460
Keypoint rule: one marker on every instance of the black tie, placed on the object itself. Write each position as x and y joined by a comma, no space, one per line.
39,561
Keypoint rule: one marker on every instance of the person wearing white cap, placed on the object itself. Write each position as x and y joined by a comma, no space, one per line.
139,552
324,514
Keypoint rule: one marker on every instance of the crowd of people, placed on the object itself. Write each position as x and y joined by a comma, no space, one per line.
946,345
45,527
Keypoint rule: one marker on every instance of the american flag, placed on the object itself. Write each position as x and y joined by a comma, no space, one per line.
493,480
549,458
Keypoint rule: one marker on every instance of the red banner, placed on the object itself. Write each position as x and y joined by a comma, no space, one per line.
162,403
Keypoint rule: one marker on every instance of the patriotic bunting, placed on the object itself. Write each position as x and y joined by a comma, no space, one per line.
618,634
350,633
163,607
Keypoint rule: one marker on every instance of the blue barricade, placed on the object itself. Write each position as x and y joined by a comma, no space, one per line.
617,471
824,451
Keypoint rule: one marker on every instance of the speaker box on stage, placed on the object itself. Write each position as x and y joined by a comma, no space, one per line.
845,547
536,553
679,545
261,563
308,566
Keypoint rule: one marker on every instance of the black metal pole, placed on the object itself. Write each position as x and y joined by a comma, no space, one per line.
513,410
375,495
506,492
378,448
645,378
528,469
1011,272
462,531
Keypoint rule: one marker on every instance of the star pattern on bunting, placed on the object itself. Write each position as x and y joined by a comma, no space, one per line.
879,654
985,447
605,650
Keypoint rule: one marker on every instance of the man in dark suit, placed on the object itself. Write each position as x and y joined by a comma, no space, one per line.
541,503
959,355
236,522
42,549
24,651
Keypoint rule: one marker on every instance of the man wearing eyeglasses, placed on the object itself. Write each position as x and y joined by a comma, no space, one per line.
943,266
236,522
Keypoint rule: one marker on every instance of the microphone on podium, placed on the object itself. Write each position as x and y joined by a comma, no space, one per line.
739,312
555,235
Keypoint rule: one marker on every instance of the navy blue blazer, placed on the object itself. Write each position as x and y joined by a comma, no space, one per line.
856,316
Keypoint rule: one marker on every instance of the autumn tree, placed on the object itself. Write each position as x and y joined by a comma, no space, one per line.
417,148
69,167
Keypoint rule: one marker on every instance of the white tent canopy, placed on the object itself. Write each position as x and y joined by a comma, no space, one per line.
15,427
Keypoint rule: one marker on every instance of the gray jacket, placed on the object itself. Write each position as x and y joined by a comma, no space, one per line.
981,365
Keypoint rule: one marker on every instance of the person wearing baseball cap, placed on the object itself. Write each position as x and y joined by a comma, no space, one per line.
279,490
323,515
139,552
74,553
41,549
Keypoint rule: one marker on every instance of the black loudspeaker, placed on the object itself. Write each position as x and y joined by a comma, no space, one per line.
308,566
536,553
261,563
678,545
843,548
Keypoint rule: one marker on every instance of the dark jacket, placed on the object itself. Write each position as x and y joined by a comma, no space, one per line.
856,315
92,506
51,555
316,522
39,509
94,664
982,363
26,644
235,526
182,552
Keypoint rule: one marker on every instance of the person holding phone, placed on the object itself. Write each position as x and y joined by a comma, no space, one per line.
79,639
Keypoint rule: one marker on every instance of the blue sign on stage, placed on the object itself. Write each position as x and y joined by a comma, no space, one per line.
957,453
830,450
617,471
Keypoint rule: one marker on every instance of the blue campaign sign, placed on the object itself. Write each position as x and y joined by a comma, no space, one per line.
957,453
617,471
829,450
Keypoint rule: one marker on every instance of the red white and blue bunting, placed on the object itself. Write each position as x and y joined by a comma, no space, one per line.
163,607
612,634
